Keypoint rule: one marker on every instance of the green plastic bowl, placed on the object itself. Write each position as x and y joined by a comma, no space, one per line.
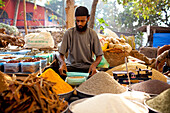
75,81
73,74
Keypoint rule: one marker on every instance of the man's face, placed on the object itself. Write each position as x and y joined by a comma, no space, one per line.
81,23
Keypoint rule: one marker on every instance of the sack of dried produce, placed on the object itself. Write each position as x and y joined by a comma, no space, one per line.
110,33
9,29
130,40
39,40
116,57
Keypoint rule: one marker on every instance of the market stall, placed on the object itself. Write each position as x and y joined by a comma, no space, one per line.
129,84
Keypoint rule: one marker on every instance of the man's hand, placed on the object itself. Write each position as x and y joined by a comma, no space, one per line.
92,69
62,68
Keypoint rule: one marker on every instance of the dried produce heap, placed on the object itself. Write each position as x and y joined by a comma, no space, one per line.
61,86
10,34
4,81
35,94
156,75
101,82
5,39
161,102
151,86
108,103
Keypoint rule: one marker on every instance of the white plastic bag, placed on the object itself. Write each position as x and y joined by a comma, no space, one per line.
39,40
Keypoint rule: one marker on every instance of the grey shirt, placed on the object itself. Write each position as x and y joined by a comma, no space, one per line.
80,47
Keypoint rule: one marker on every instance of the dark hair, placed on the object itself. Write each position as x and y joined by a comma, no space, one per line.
82,11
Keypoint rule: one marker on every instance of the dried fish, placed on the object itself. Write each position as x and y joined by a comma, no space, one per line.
34,94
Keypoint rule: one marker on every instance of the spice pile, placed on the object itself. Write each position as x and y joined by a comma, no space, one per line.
156,75
150,86
35,94
4,81
61,86
136,96
161,102
99,83
108,103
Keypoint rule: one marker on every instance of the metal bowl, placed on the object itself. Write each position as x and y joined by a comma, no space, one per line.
150,94
74,103
81,94
67,95
66,110
151,110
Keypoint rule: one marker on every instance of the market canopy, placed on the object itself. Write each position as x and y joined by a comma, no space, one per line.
153,29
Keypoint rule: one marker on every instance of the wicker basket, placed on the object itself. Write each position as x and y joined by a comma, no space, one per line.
115,58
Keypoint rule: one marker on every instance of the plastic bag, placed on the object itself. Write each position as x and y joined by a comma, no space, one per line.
39,40
103,63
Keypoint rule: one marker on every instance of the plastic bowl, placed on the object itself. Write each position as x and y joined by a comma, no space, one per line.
71,74
76,80
66,96
81,94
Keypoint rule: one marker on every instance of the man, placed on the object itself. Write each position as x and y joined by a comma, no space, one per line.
80,42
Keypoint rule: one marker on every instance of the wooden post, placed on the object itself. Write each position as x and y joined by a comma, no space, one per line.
16,12
70,17
25,19
92,14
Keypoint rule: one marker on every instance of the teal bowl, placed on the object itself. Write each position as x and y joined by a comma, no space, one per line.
73,74
76,80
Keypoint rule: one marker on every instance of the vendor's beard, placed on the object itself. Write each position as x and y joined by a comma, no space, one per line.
81,29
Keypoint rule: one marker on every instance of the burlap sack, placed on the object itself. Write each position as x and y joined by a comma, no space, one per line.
115,58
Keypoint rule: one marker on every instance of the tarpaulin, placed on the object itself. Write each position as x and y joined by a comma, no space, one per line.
160,39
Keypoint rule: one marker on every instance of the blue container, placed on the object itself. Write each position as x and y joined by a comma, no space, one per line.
2,66
23,52
47,56
11,67
30,67
43,63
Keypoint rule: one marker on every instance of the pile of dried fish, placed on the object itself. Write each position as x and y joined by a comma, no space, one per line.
34,94
5,39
